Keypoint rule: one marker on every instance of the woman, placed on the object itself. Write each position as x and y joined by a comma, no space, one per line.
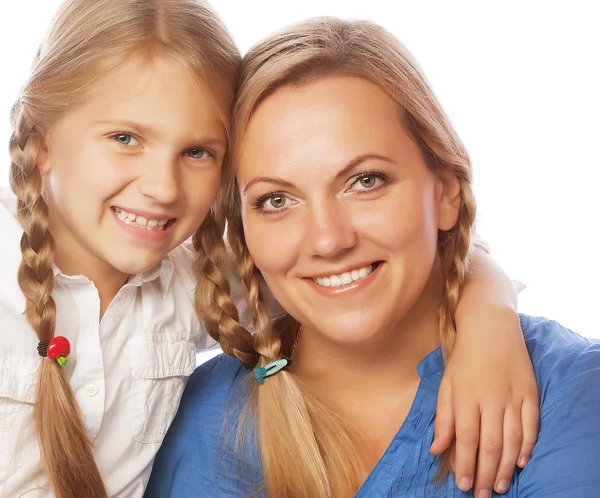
352,199
118,137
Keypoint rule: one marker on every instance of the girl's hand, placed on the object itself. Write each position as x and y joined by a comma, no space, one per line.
488,399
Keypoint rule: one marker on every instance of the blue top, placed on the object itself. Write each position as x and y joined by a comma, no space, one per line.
197,459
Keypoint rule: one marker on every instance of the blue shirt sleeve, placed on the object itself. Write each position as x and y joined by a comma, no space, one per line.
566,459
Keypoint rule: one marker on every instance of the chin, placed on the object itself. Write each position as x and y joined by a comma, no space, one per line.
133,265
350,331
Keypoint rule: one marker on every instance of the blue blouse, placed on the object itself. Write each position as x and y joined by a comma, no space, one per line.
197,456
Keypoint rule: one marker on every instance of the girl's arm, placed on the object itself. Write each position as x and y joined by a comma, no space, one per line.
489,398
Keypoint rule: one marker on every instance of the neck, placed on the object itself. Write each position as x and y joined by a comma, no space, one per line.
108,280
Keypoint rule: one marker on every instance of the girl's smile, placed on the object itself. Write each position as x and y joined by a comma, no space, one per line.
151,227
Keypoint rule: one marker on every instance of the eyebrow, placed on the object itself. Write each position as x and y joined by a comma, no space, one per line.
147,130
138,127
344,172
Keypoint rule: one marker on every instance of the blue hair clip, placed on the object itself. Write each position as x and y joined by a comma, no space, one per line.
270,369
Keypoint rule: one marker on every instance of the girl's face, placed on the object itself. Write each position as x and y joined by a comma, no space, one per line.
131,174
340,211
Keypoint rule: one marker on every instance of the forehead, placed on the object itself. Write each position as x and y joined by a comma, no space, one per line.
333,120
157,91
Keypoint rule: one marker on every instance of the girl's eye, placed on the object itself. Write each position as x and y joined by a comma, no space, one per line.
197,153
126,139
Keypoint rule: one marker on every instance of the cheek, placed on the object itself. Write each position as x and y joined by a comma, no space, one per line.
403,220
273,247
200,190
84,171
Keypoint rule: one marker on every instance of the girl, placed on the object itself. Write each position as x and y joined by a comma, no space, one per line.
352,199
119,136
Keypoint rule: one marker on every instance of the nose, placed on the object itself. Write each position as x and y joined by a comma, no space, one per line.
331,231
159,179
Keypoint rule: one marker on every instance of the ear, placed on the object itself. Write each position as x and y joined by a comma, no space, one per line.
42,159
449,200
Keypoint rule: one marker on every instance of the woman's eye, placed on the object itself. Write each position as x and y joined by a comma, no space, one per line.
198,153
126,139
275,202
367,182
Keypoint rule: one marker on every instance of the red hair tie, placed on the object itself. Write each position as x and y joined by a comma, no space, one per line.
57,349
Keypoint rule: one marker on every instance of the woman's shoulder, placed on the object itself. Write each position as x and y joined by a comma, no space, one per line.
557,352
213,381
188,461
565,458
209,394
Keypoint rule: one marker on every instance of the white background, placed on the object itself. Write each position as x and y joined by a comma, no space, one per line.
521,82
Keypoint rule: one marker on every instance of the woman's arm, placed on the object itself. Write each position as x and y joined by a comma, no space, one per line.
489,397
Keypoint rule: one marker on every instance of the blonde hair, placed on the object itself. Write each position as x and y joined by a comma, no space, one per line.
306,451
86,40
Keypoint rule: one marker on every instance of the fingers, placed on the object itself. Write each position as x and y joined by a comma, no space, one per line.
467,439
444,421
530,416
490,451
511,449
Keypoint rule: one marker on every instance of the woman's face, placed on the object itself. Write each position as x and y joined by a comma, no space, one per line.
340,211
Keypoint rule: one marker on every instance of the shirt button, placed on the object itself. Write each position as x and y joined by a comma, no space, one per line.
92,390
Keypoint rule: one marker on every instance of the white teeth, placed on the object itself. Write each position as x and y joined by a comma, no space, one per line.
140,221
343,278
346,278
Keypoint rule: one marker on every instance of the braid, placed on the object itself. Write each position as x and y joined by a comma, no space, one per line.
454,248
267,342
65,448
213,300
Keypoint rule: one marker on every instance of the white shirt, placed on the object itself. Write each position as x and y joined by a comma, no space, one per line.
127,371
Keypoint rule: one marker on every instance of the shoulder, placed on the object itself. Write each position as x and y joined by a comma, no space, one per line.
182,258
565,458
206,398
188,460
212,382
17,339
559,355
